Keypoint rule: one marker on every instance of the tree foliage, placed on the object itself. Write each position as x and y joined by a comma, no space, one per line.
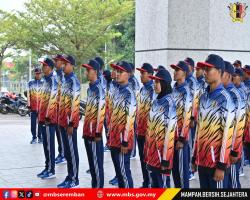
77,27
8,39
82,28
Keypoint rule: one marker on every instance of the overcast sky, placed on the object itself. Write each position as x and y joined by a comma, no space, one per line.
9,5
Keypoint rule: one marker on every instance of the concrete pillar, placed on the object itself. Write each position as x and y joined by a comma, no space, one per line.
170,30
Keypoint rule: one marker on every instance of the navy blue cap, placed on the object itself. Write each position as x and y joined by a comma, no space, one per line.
123,66
146,67
92,64
69,59
58,57
106,73
199,66
37,70
48,62
229,68
182,65
213,60
132,66
160,67
238,72
100,61
162,75
237,62
247,69
189,61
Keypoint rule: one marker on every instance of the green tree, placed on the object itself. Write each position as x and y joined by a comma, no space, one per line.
8,38
21,68
125,45
122,48
77,27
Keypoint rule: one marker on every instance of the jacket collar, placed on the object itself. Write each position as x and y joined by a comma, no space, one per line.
49,76
148,84
68,76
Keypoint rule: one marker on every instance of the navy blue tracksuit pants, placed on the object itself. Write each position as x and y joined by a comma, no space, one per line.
247,152
48,132
233,177
158,180
206,179
192,136
34,124
191,145
95,158
71,153
106,128
133,152
145,173
122,168
181,167
59,141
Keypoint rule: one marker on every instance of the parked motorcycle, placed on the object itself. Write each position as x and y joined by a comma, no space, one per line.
3,105
23,109
82,108
17,105
8,105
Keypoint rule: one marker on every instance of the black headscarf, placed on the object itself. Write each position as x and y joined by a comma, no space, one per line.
107,75
166,88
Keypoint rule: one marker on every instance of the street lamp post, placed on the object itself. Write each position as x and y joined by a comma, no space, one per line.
30,64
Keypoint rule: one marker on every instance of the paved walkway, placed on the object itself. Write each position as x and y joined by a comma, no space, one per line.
20,161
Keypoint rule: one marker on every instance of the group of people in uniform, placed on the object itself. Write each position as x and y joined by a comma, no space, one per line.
197,123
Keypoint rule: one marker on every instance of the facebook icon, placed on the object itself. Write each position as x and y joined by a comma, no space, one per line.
6,194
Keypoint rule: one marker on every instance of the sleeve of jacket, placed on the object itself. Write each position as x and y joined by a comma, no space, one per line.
228,117
137,89
139,102
170,124
137,85
28,94
107,109
194,153
59,90
239,127
130,108
186,117
247,126
100,111
75,103
51,111
195,101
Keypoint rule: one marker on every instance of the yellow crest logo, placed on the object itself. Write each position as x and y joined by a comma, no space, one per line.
237,11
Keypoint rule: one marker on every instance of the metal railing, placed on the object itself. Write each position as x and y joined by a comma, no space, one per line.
14,86
20,86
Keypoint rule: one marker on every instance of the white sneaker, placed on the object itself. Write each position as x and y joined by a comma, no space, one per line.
241,174
191,177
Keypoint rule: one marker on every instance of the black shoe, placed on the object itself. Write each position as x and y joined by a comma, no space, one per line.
106,149
41,174
114,181
40,141
60,160
33,141
48,175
